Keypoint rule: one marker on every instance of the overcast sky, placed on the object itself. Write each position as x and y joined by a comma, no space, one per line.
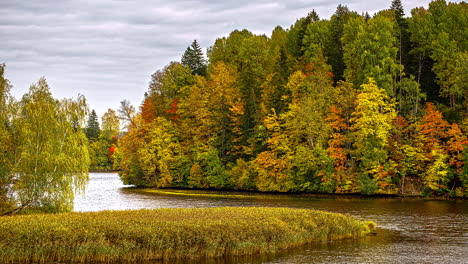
107,50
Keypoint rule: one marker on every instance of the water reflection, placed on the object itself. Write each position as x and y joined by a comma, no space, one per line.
411,230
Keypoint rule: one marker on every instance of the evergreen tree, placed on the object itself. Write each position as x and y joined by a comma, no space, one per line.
92,130
397,7
193,58
334,52
402,35
297,33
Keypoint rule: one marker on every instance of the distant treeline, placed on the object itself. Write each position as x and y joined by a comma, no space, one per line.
350,104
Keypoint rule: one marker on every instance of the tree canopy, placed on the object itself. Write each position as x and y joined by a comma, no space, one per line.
340,105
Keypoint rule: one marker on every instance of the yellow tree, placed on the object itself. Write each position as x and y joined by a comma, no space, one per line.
371,126
110,124
226,110
158,155
272,166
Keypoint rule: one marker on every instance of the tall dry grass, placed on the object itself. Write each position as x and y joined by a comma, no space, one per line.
141,235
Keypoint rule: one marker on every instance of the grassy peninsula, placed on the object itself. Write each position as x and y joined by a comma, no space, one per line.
140,235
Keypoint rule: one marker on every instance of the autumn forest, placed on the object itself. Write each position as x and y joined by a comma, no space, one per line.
350,104
353,104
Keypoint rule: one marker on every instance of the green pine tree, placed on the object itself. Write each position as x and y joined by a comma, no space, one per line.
194,59
92,130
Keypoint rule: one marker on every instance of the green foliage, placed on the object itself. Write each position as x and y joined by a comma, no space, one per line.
110,124
103,150
297,33
6,143
216,175
193,58
146,235
197,177
369,51
438,32
92,130
334,52
51,157
409,97
242,176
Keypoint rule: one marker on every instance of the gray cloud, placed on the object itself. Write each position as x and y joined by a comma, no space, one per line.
107,50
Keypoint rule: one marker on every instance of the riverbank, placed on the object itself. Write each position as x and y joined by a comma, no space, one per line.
140,235
239,194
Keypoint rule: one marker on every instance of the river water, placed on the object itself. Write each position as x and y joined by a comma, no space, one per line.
410,230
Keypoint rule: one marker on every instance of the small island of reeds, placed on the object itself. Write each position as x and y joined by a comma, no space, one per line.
139,235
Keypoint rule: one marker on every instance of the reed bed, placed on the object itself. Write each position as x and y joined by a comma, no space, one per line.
142,235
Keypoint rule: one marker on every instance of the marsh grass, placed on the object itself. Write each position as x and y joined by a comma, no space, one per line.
142,235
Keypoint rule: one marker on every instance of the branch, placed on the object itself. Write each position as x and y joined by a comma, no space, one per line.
14,211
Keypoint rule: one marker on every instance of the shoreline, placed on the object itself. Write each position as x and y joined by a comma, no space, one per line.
231,193
305,194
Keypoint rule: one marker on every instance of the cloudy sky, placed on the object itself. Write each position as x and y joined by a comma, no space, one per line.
108,49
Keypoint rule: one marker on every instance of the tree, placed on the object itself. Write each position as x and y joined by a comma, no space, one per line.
274,89
409,97
226,111
402,35
436,34
297,112
253,56
443,146
127,113
99,154
342,177
92,130
227,49
297,33
334,52
110,124
370,51
109,138
317,39
372,123
6,143
272,166
193,58
167,86
51,161
157,157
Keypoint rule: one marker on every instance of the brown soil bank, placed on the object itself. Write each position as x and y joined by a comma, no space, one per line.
140,235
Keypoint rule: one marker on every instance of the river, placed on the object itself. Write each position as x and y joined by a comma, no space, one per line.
410,230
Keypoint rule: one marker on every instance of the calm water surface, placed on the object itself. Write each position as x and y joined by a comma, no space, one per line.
410,230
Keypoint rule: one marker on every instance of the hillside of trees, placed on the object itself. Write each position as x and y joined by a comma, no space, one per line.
349,104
